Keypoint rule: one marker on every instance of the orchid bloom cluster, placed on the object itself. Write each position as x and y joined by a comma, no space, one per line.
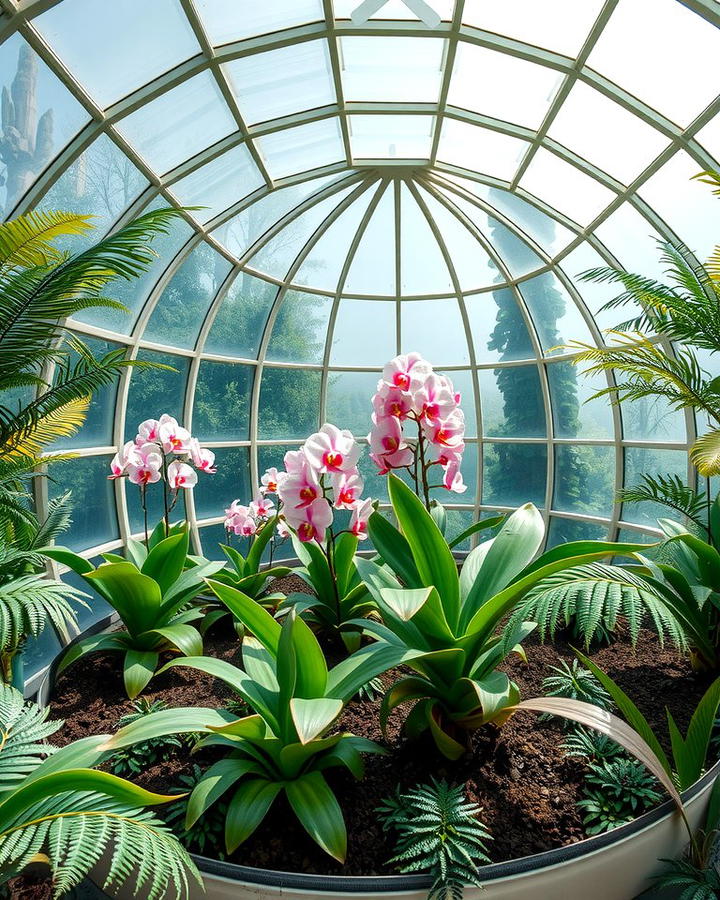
318,478
145,460
409,391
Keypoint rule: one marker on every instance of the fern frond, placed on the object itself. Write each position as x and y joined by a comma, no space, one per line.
29,602
23,732
670,491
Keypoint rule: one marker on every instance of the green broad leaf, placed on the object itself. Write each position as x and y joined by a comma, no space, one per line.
405,690
43,788
65,557
251,728
295,758
437,511
347,677
423,607
433,557
445,743
159,533
136,552
311,670
260,542
93,644
586,551
218,779
377,579
313,717
317,570
286,669
690,753
84,753
236,559
113,558
319,813
513,548
625,705
471,568
346,753
345,549
259,664
180,720
495,693
138,668
492,522
247,809
184,638
394,550
715,521
257,620
135,597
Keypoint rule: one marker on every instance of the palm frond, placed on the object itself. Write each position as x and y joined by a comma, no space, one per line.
29,602
670,491
28,240
57,520
592,596
705,453
26,434
24,730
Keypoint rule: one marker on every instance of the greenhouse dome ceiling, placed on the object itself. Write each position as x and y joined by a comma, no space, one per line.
356,188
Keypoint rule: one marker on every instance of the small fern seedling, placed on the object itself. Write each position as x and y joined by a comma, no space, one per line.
437,831
576,683
616,792
208,833
139,757
591,745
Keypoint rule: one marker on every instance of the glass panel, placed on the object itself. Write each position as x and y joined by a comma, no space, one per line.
652,419
39,652
555,314
498,327
565,188
514,474
641,461
391,69
364,333
324,264
522,91
574,413
219,184
243,230
94,520
302,148
99,608
349,397
458,520
40,117
211,536
222,402
134,293
394,137
544,230
473,267
634,242
479,149
183,305
97,40
686,205
589,124
422,266
153,392
512,402
375,485
239,324
527,21
179,124
283,81
300,328
562,531
231,481
688,45
435,329
394,9
102,183
709,137
154,501
584,479
228,20
97,430
289,403
372,270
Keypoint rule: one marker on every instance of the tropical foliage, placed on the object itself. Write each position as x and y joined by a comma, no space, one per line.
151,591
55,808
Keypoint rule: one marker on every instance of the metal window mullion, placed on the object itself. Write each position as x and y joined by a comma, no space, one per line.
397,222
334,52
449,65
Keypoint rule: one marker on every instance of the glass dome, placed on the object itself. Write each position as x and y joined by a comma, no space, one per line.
356,189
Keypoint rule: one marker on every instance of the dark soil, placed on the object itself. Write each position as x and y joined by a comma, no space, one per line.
527,789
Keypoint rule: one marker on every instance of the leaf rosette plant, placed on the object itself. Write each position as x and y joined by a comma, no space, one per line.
286,745
151,591
453,620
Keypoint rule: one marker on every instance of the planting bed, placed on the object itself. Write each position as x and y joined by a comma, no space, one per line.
519,775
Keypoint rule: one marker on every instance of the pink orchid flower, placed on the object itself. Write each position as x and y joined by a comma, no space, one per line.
453,480
406,372
241,523
147,432
332,450
123,458
269,481
434,401
386,443
391,401
282,529
347,488
299,489
447,433
316,519
361,512
262,508
295,462
173,437
181,475
201,458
